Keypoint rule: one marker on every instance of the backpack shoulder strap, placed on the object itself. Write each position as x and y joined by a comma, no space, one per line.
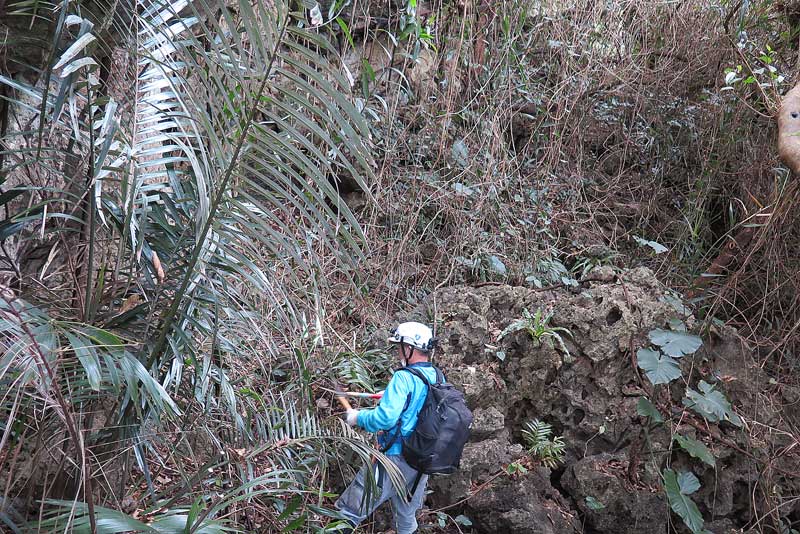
419,375
439,376
398,425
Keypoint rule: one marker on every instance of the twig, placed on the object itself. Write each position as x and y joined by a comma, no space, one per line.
477,491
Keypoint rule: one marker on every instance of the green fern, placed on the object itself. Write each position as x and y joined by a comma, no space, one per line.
549,451
537,326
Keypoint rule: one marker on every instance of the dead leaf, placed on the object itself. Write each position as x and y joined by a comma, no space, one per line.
240,455
130,303
159,269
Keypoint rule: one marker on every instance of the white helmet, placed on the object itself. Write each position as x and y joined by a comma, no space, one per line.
414,334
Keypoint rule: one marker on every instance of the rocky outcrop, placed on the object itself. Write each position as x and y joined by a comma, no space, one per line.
588,388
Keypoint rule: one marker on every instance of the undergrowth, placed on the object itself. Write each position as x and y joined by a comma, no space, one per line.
530,143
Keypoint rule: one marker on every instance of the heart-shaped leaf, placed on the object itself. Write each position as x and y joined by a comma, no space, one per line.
678,488
711,404
676,344
660,368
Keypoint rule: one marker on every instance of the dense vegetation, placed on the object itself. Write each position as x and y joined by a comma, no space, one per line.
210,209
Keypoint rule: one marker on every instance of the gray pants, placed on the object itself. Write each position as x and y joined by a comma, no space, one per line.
356,507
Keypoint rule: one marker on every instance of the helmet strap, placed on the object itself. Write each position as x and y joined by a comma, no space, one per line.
406,355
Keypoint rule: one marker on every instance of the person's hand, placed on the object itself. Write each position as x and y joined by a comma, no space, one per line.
352,417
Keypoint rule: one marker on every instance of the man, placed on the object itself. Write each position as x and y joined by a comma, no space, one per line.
393,419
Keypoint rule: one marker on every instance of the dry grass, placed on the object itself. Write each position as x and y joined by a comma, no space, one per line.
583,127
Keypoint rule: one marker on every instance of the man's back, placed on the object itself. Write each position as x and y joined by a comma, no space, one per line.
404,396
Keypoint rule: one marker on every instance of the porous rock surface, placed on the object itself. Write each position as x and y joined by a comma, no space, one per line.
590,397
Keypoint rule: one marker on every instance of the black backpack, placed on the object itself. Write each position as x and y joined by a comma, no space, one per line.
436,444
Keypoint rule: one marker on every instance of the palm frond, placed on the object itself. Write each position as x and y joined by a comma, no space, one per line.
75,516
208,191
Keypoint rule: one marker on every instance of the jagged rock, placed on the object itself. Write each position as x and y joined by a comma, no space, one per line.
480,461
589,396
526,505
625,510
487,421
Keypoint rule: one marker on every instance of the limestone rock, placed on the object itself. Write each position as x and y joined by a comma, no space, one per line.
590,398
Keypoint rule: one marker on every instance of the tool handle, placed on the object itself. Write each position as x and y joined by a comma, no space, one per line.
344,402
377,395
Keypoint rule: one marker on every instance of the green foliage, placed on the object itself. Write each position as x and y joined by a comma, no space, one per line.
549,451
645,408
442,519
711,404
660,368
551,271
515,467
208,196
463,520
584,265
593,504
363,371
484,266
661,365
537,327
293,447
678,488
696,449
675,344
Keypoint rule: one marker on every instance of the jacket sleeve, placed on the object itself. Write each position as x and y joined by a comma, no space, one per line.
385,415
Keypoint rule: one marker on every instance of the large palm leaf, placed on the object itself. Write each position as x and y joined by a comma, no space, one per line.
202,173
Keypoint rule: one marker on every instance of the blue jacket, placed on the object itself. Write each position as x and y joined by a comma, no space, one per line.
403,388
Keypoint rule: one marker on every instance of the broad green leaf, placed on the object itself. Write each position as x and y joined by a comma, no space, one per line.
461,519
660,368
104,338
696,449
593,504
108,521
497,266
688,482
174,523
645,408
675,344
197,505
711,404
677,325
678,489
296,523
